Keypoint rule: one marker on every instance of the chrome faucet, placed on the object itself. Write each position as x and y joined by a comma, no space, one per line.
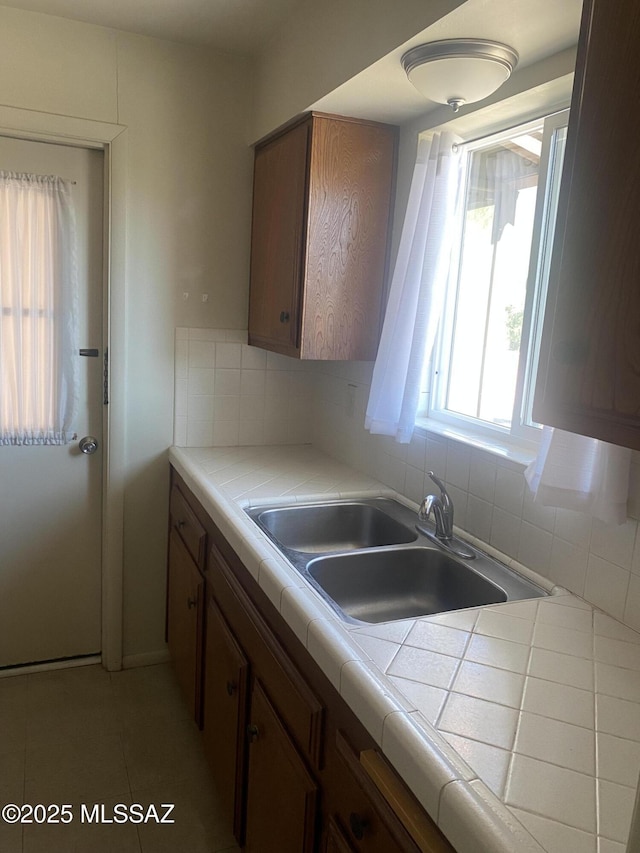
442,507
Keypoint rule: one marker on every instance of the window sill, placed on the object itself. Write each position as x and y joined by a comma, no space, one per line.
513,452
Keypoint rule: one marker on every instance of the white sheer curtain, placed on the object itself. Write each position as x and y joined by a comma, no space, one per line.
417,290
38,304
581,473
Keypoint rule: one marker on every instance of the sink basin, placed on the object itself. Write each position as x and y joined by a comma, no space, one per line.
371,564
380,586
315,529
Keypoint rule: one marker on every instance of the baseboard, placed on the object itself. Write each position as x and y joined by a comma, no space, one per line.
145,659
50,666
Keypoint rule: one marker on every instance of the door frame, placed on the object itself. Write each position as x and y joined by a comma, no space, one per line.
112,140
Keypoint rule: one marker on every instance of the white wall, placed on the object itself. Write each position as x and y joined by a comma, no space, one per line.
188,213
322,45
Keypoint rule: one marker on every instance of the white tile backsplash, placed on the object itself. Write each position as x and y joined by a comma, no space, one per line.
228,393
259,397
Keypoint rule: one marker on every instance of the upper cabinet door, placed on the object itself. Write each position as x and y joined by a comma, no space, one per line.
351,185
323,195
278,231
589,375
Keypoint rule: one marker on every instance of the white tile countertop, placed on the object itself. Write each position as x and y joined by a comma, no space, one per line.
517,726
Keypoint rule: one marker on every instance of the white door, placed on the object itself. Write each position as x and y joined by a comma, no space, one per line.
50,496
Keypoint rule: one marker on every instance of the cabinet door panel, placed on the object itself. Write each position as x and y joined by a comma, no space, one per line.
224,714
192,532
184,621
282,796
350,199
279,189
589,376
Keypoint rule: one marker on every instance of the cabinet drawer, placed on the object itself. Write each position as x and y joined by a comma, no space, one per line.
191,531
297,705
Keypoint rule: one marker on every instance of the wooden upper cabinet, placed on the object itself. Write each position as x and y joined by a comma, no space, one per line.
589,375
323,195
279,189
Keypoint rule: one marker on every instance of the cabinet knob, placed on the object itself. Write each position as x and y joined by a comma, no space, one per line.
191,602
358,825
252,733
231,687
284,317
181,524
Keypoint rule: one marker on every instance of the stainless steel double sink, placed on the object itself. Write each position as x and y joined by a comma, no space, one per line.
371,563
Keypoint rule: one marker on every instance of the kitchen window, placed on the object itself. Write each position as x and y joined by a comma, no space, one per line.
482,374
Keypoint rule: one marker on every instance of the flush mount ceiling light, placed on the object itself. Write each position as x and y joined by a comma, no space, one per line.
459,71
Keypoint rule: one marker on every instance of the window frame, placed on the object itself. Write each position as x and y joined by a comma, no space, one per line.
520,434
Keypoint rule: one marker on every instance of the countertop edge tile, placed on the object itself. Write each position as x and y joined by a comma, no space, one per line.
475,821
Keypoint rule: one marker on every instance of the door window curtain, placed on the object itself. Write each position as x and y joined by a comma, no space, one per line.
38,304
417,290
581,473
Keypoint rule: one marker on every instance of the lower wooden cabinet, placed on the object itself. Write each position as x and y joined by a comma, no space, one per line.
224,715
185,597
282,796
295,770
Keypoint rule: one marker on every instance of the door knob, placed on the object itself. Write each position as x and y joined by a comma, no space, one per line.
88,444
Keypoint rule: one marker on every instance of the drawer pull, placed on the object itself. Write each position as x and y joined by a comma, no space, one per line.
191,602
284,317
181,524
358,825
253,733
231,687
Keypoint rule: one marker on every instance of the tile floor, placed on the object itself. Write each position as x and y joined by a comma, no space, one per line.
84,736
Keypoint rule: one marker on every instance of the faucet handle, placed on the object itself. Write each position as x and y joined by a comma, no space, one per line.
426,506
438,483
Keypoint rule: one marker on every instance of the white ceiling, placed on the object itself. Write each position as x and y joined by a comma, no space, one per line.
537,29
243,25
230,25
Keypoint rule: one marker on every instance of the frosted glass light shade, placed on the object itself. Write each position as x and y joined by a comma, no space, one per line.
459,71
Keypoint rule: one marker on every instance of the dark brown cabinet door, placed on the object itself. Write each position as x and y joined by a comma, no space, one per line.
279,191
589,377
322,200
350,199
281,794
224,714
184,621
